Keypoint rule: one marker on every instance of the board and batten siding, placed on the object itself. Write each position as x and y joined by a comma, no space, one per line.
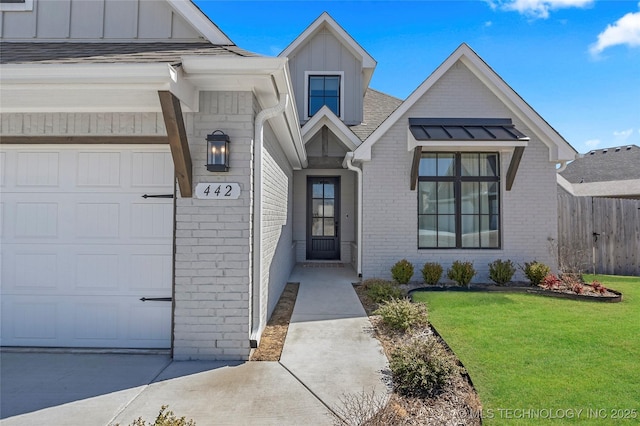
83,20
213,243
528,211
80,124
324,52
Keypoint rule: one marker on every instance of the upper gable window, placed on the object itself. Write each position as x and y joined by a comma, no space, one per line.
324,89
16,5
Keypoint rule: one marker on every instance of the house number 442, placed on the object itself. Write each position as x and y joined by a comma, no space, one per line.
218,191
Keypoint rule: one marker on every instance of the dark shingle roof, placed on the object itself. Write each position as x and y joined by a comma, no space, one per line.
75,53
377,107
602,165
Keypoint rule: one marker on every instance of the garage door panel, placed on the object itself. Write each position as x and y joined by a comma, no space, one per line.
80,246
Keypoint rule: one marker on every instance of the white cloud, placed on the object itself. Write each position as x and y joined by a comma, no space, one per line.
488,24
592,143
625,31
537,8
623,135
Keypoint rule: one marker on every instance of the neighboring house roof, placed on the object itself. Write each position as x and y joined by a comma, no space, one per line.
608,164
559,148
608,172
142,52
326,21
377,107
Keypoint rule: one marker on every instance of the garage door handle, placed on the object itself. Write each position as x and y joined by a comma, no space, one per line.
158,196
156,299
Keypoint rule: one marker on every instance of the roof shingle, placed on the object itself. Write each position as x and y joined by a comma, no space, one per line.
602,165
377,107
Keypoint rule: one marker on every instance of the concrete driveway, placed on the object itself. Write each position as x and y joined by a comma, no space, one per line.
103,389
329,353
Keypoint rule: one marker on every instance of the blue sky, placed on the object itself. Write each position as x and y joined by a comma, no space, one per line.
576,62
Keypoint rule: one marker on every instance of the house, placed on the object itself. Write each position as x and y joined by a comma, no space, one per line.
121,228
609,172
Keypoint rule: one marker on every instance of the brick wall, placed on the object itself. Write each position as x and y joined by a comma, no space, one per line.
528,211
213,239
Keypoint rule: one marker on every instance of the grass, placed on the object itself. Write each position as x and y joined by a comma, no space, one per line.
564,361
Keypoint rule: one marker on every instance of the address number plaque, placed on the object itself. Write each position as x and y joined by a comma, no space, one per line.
218,191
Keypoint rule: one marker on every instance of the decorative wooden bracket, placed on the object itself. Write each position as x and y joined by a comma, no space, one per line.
172,113
415,165
513,166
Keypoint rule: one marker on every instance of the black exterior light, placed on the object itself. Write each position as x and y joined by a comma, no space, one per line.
218,152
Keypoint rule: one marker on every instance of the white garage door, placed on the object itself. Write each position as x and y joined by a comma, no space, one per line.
81,247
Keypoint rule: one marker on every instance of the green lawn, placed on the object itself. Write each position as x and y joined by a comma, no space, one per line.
534,356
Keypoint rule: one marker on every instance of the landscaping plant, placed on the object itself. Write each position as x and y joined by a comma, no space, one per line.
165,418
501,272
535,271
431,273
382,290
461,272
403,315
422,368
402,271
550,282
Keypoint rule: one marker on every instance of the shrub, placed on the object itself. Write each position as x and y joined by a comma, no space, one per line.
577,288
598,287
422,367
382,290
501,272
402,271
535,271
461,272
550,282
165,418
402,314
431,272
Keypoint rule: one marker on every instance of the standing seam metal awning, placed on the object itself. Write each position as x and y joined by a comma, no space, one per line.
458,129
453,132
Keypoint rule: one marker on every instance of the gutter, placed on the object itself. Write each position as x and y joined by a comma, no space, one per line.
348,162
563,165
255,315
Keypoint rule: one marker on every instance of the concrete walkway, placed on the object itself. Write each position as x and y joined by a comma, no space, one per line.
328,354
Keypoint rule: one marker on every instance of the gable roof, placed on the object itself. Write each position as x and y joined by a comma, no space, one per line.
200,22
559,148
603,165
326,21
326,117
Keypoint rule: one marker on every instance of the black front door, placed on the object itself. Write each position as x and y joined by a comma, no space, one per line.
323,218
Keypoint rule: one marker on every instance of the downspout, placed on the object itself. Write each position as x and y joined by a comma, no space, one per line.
255,317
348,161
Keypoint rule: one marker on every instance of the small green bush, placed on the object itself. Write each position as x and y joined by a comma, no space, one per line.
461,272
431,273
535,272
501,272
402,271
382,290
165,418
422,368
402,314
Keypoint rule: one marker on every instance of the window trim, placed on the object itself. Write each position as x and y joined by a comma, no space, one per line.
308,74
457,181
16,6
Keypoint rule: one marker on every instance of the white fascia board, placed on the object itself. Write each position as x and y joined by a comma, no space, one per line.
326,117
194,64
200,22
363,152
559,149
336,30
91,87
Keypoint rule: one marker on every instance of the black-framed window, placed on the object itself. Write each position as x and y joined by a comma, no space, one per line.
459,200
324,90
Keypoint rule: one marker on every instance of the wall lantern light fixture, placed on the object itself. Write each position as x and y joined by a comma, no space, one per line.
218,152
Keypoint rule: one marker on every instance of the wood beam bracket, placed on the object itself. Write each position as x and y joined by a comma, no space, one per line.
513,166
174,123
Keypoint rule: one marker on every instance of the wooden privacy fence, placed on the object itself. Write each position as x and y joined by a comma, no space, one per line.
601,234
